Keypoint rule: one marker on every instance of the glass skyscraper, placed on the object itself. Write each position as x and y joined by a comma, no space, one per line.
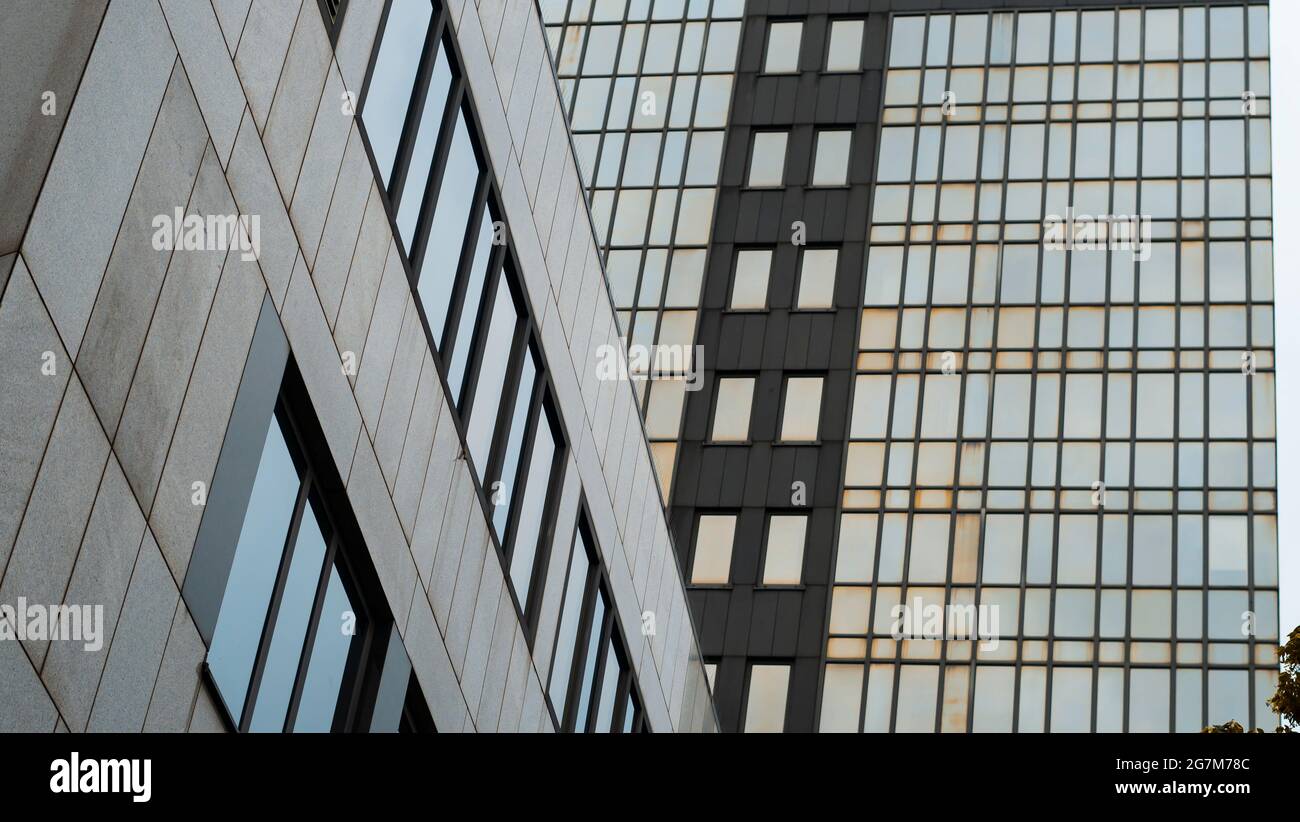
647,88
986,434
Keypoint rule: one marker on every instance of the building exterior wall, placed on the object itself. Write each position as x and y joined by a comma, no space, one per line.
646,91
1108,497
122,365
1134,543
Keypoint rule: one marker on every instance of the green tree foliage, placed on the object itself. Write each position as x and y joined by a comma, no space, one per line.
1286,702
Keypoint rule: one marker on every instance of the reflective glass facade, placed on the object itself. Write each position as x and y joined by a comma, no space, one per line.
647,88
987,330
1077,441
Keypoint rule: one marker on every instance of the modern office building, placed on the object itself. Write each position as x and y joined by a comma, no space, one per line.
636,365
301,421
985,434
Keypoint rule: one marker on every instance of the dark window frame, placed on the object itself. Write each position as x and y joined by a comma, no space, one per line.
826,48
611,638
689,573
321,493
785,159
502,268
768,515
718,377
784,395
798,277
768,23
734,274
750,662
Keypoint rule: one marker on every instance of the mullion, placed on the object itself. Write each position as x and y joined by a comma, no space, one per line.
848,438
678,187
590,591
530,423
1248,294
603,649
415,109
977,589
477,340
924,375
1013,64
1135,301
621,697
359,655
505,411
576,543
498,278
309,641
895,675
546,529
456,98
1177,365
479,211
1062,370
273,610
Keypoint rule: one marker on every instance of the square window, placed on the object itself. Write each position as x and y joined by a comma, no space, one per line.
785,539
731,415
817,278
765,707
749,290
845,51
713,541
767,161
803,405
831,167
783,48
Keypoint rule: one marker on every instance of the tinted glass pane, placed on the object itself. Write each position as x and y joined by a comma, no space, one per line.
463,342
803,402
292,618
589,665
713,542
253,570
783,47
491,378
502,493
765,709
785,541
529,525
731,417
391,82
629,713
339,629
447,232
608,690
767,164
750,288
845,52
721,53
426,141
566,640
817,278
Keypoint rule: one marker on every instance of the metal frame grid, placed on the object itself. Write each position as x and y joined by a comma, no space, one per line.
652,209
1202,666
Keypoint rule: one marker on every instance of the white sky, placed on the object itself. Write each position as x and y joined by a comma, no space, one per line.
1286,225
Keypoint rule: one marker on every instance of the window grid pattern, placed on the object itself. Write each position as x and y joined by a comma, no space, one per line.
420,128
646,87
1005,388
